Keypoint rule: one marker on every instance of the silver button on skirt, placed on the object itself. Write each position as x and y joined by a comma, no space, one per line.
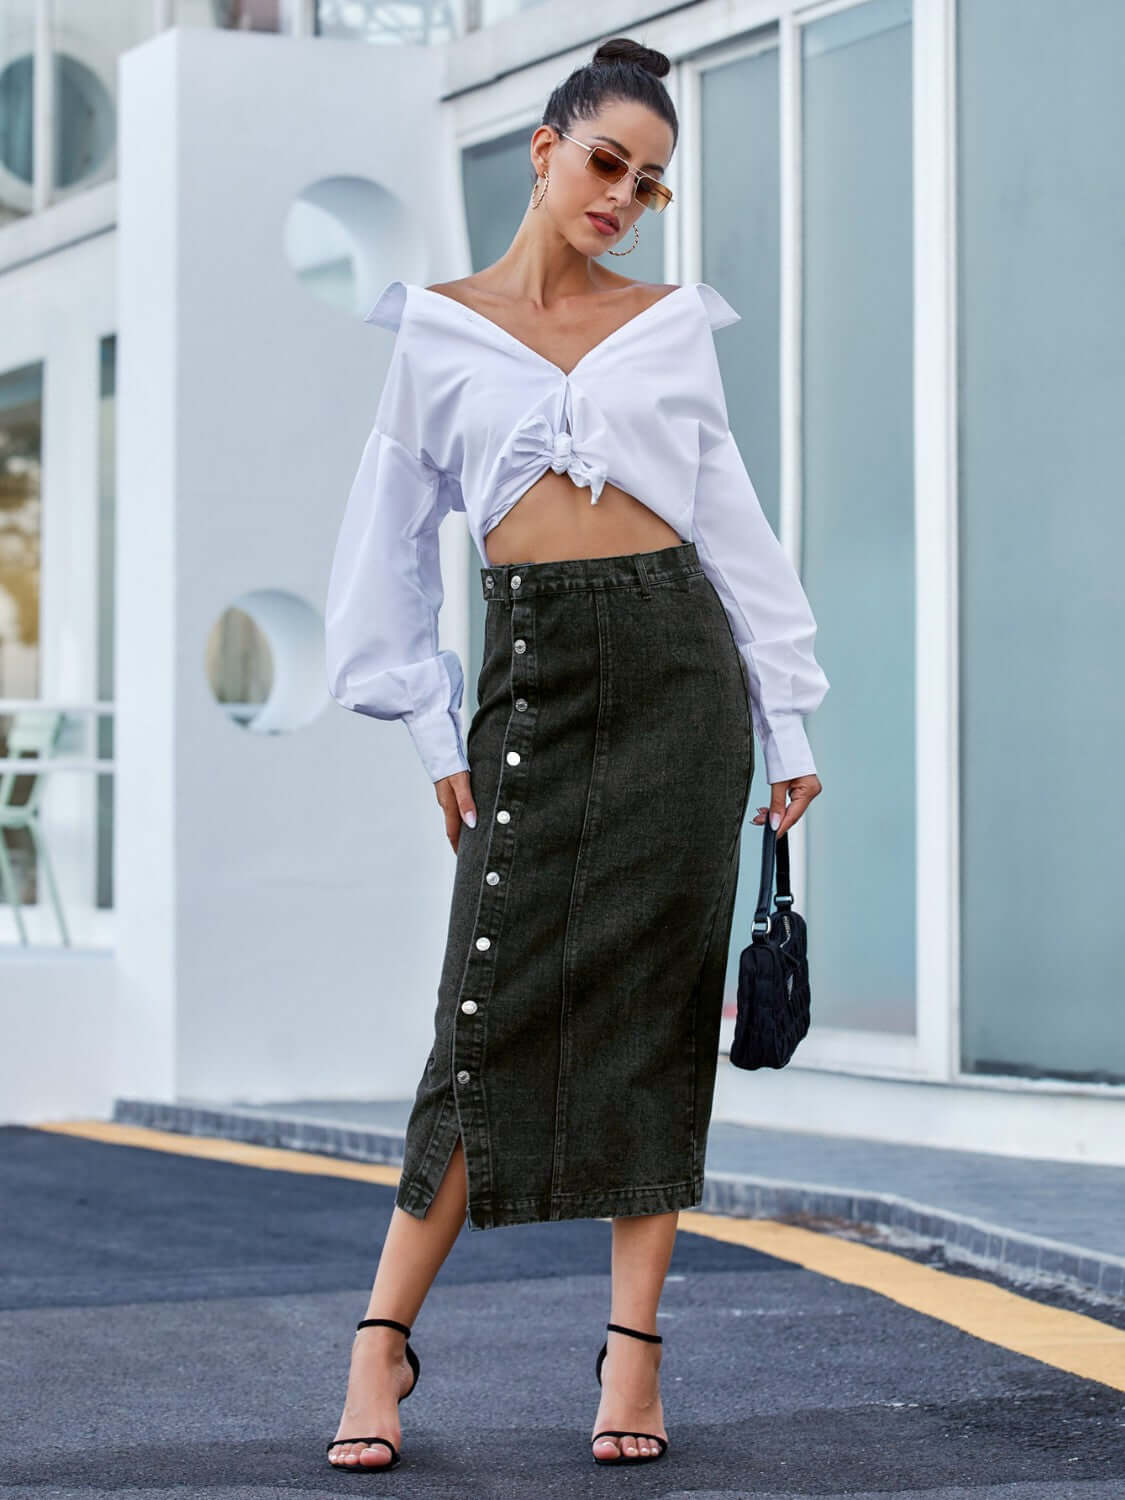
577,1021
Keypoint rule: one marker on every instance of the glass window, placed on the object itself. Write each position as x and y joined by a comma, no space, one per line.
857,458
1041,180
740,206
497,179
417,22
87,37
739,192
489,12
21,436
231,15
17,44
374,21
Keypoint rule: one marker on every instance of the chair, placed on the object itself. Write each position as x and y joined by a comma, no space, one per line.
33,731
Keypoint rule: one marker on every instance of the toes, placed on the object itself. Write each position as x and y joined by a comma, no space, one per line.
360,1455
606,1447
375,1456
628,1446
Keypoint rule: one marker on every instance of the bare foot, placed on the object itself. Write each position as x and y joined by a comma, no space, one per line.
630,1398
378,1379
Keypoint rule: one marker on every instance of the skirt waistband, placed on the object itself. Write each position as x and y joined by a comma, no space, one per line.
515,581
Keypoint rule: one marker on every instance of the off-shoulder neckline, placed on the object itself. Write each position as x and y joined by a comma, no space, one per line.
542,358
499,332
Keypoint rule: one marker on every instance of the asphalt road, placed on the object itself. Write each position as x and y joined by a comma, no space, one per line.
176,1326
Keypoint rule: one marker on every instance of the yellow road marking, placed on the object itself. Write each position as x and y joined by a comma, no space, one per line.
1066,1340
272,1158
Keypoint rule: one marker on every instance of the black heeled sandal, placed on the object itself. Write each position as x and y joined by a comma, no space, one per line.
396,1458
628,1458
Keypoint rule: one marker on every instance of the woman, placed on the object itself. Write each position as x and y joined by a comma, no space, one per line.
641,620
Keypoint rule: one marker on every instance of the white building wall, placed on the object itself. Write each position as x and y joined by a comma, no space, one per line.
283,898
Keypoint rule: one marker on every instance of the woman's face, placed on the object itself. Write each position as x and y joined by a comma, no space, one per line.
592,213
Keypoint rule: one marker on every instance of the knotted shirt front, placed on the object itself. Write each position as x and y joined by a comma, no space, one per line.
468,418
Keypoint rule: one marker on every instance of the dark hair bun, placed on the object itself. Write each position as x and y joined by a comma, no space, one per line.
622,49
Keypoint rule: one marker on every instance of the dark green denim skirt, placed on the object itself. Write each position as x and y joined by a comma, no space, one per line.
577,1023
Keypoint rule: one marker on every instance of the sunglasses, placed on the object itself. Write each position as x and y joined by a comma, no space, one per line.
610,167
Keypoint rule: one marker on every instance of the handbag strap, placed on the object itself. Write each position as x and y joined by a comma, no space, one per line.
772,846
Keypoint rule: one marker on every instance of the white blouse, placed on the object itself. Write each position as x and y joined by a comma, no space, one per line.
468,418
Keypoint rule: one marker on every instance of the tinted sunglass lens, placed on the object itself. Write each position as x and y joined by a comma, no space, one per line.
651,195
606,165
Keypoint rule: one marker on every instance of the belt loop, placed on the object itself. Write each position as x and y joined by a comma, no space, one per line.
646,587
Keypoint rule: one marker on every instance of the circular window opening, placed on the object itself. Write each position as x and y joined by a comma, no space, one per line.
343,236
84,135
264,661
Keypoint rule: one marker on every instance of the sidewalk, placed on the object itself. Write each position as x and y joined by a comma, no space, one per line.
1031,1220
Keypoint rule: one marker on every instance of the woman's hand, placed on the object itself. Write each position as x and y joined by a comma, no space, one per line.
456,798
802,789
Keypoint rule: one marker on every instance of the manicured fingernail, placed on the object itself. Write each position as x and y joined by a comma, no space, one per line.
471,818
775,821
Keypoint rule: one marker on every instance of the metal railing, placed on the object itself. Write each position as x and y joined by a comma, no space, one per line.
55,762
44,736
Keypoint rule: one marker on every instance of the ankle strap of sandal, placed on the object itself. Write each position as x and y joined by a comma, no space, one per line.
653,1338
382,1323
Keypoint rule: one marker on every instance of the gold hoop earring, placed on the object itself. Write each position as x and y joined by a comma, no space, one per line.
633,246
535,202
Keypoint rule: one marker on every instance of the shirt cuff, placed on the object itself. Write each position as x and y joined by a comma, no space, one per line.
437,739
786,748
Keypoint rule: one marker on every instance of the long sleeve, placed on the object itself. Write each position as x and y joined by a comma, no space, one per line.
770,617
384,594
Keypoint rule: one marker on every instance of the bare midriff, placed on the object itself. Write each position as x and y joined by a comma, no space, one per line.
554,520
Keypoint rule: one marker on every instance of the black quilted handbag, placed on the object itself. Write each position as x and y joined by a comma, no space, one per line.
773,971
